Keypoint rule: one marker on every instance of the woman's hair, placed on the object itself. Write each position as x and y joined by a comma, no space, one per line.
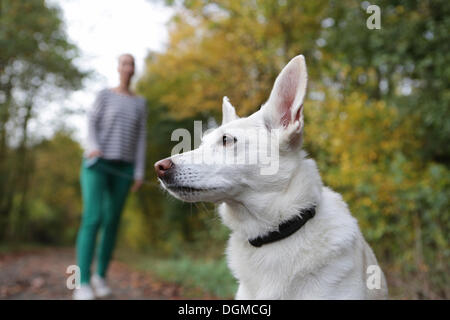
126,54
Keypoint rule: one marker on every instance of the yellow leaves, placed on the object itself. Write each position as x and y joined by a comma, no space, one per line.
356,143
134,226
336,142
366,201
366,131
232,48
400,9
194,82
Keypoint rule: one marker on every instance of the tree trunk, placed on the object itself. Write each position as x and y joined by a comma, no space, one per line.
18,222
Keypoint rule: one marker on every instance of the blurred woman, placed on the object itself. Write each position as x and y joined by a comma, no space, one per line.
115,156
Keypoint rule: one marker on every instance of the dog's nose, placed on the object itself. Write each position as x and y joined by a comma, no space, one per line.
162,166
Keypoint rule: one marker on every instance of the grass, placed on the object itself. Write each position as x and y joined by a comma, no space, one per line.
211,276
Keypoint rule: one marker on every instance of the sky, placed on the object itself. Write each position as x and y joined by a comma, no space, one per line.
103,29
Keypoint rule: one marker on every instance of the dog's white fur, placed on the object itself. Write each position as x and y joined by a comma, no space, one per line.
328,257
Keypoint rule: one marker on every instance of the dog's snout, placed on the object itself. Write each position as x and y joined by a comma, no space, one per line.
162,166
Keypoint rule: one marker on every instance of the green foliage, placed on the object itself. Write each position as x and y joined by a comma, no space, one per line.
36,66
366,151
34,46
233,48
54,197
405,63
212,276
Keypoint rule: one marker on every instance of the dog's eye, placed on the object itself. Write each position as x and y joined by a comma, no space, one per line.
227,140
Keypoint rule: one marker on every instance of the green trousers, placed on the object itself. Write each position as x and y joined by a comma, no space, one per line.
105,186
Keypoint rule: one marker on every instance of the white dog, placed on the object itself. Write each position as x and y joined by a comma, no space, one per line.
292,237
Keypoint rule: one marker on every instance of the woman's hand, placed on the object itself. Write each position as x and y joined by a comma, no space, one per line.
94,154
137,184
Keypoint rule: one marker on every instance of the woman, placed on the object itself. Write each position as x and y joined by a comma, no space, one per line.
114,158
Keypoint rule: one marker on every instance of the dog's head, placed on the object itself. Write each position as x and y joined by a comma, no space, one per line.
244,156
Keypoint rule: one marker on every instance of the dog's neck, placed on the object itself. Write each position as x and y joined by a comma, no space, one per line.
264,213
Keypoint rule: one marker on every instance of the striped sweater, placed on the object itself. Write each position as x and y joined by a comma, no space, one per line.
117,127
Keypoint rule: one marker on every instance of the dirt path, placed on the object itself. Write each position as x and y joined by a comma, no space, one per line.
41,274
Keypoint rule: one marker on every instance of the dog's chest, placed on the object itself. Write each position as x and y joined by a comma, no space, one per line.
287,271
266,271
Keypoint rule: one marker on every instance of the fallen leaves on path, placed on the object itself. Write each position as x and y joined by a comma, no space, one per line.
41,274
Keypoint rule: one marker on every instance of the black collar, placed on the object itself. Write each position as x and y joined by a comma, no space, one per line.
285,229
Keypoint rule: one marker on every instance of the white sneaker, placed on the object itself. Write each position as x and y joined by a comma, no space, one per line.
101,289
85,292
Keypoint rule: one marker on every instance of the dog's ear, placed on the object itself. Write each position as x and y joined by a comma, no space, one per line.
228,111
285,105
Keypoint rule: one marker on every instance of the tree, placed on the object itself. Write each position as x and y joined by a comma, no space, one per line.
233,48
36,65
406,62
